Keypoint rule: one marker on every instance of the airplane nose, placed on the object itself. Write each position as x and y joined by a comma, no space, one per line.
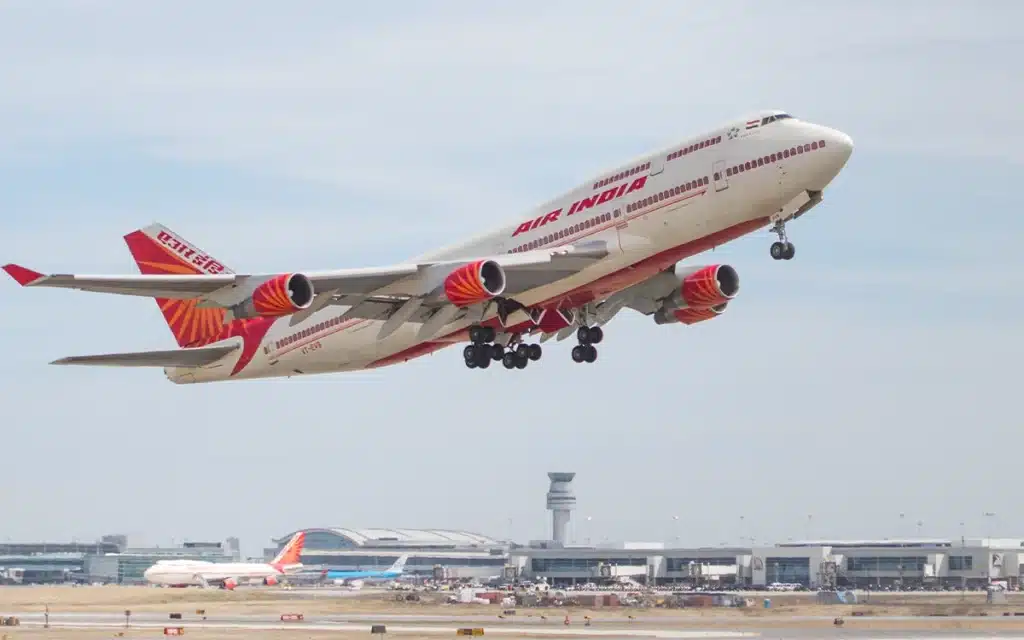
843,143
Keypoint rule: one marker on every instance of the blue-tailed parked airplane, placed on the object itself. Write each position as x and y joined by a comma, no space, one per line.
394,571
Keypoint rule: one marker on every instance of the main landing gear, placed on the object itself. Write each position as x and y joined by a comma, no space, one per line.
482,351
585,351
783,249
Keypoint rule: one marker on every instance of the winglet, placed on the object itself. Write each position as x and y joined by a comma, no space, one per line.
22,275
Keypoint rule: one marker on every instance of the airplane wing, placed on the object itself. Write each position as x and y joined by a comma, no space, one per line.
196,357
523,271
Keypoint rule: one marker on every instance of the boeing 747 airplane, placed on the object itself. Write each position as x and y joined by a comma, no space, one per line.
564,269
228,575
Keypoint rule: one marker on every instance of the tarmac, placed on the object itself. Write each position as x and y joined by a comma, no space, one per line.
432,626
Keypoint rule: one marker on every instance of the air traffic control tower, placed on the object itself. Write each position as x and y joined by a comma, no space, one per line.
561,503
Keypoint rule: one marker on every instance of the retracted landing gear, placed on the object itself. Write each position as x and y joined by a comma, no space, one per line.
585,351
481,352
783,249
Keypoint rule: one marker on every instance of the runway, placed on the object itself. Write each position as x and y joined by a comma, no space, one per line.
446,626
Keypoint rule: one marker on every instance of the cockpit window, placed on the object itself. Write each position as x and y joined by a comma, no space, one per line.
781,116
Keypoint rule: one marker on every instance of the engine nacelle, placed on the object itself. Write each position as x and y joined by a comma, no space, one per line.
282,295
230,584
689,315
474,283
703,287
270,581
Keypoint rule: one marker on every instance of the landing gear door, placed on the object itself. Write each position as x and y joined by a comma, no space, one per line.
721,180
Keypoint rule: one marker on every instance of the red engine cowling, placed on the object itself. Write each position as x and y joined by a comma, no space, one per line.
700,288
270,581
709,286
280,296
474,282
693,316
230,584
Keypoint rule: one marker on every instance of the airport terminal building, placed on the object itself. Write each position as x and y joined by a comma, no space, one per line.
865,564
438,553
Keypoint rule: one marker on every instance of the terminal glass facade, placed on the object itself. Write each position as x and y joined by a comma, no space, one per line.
961,563
683,564
880,564
545,565
788,570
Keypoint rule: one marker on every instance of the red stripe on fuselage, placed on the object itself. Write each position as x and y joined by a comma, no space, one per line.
600,288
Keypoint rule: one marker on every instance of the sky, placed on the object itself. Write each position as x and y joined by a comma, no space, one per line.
876,374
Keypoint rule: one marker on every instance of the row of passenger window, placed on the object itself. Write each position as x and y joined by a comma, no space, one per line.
583,225
623,175
306,333
697,146
667,193
772,158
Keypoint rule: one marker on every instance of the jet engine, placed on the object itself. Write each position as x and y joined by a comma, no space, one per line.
689,315
475,282
230,584
699,288
280,296
270,581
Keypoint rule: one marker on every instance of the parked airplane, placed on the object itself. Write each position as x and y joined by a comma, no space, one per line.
566,268
185,573
356,579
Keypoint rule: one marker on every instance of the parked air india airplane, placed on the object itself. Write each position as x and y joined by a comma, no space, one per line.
566,268
185,573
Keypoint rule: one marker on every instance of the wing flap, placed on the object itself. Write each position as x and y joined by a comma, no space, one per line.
196,357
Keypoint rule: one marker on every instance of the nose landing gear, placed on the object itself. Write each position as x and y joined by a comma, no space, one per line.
783,249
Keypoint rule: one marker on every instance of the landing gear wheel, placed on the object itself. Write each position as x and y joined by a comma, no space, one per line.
471,364
579,353
509,360
535,352
497,351
482,335
521,362
583,335
783,249
483,356
595,335
523,351
591,353
469,353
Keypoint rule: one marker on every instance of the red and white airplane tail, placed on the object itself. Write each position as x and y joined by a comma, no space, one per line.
290,556
159,251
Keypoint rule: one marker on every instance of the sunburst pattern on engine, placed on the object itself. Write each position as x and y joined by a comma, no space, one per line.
709,286
474,283
282,295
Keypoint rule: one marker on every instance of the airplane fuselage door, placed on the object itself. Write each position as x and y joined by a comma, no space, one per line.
657,165
718,173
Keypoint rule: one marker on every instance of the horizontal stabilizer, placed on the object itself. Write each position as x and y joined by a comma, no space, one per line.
197,357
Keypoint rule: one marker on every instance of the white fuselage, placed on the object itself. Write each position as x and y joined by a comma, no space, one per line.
664,206
194,572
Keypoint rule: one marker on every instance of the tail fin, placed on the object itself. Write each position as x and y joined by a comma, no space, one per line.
399,565
291,553
158,250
